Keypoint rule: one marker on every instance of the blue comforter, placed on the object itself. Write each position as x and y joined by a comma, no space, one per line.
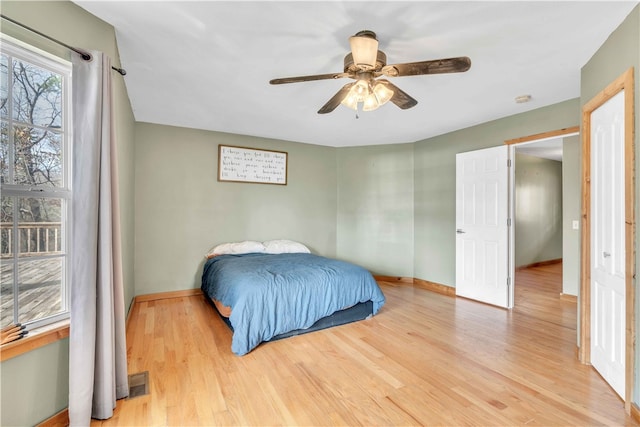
270,294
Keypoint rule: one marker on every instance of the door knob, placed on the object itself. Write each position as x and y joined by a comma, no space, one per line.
459,231
606,254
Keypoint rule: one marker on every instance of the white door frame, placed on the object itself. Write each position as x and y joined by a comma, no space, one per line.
624,82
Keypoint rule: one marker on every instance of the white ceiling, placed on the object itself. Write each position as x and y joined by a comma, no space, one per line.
548,149
207,64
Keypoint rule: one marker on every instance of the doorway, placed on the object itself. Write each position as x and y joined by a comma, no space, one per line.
484,210
552,227
538,210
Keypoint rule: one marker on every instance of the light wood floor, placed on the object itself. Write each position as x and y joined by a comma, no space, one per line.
425,359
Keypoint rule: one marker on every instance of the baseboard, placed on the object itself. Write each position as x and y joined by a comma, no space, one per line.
126,322
540,264
130,308
419,283
167,295
435,287
635,413
393,279
61,419
569,298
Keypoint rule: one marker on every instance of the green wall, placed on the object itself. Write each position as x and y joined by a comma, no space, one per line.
375,208
35,385
434,181
393,232
390,208
538,210
182,210
571,199
620,52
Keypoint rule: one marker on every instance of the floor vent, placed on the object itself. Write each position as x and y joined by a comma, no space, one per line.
138,384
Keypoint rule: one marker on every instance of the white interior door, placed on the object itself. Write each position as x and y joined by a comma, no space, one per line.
482,232
608,242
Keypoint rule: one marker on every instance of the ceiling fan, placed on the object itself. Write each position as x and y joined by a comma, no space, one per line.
365,63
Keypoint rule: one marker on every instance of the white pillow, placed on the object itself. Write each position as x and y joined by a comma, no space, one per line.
284,247
246,247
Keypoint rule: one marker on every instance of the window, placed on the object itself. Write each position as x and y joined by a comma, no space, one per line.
35,185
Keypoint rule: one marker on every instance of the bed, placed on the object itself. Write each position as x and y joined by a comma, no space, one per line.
275,289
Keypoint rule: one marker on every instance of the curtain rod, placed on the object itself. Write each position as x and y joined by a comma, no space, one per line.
83,54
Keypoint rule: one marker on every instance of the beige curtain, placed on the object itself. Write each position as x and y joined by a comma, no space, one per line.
97,347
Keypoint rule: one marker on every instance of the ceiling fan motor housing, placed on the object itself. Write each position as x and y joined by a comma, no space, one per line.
351,67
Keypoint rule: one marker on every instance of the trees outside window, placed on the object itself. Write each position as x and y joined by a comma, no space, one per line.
35,184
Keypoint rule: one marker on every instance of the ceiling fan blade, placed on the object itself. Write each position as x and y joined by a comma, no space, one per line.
401,98
336,99
309,78
436,66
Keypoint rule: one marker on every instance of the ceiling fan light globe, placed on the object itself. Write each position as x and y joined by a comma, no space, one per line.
361,89
357,93
350,101
364,50
370,103
382,92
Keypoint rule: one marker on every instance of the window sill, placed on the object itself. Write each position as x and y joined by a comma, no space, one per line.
37,338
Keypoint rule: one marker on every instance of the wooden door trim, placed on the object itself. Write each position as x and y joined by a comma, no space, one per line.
624,82
544,135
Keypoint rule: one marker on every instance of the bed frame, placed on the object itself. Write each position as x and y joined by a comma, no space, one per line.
352,314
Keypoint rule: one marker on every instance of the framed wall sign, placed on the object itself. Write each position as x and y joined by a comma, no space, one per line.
242,164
